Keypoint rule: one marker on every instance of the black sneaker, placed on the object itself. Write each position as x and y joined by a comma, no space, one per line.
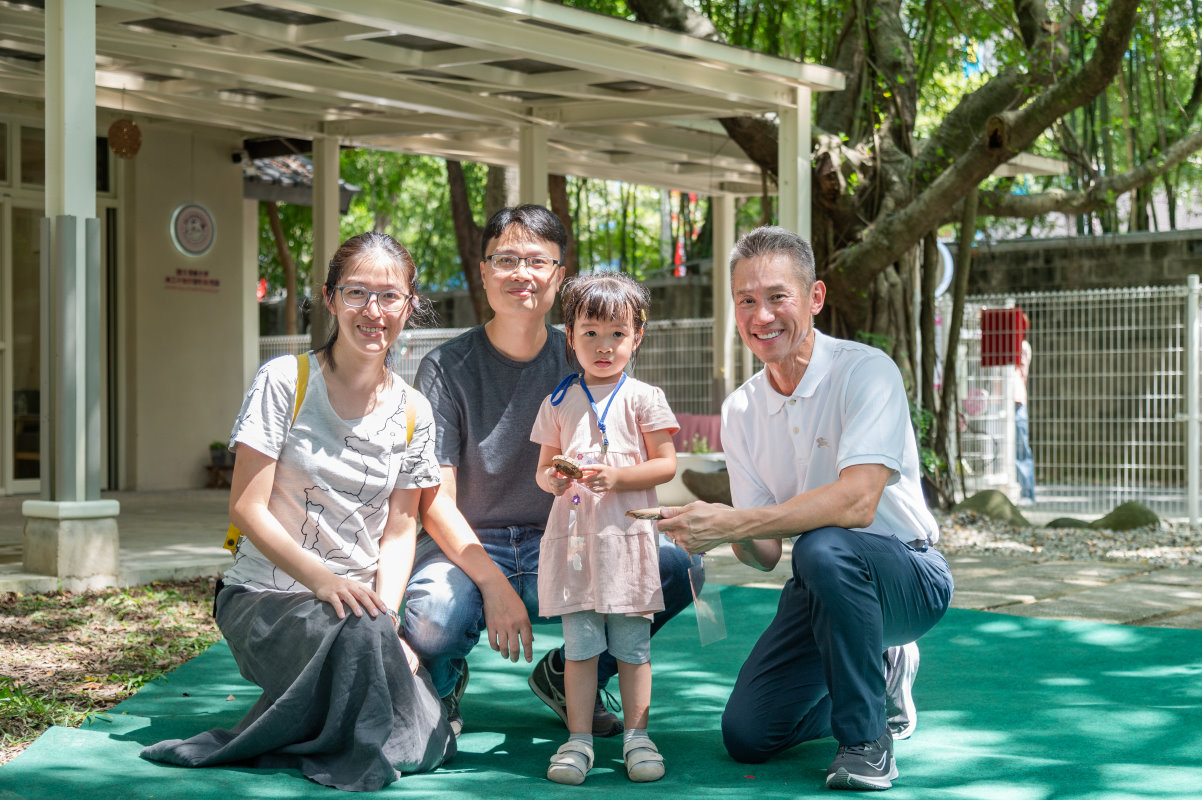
451,702
863,766
546,681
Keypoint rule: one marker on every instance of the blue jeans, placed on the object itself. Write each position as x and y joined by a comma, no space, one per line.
444,612
1024,459
817,669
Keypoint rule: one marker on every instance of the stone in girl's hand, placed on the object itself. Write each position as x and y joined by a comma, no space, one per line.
568,467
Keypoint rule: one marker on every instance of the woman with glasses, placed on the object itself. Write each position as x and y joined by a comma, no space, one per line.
333,451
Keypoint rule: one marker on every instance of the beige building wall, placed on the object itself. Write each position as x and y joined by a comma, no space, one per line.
188,325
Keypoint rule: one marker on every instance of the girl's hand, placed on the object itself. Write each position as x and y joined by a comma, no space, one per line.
600,477
558,482
343,593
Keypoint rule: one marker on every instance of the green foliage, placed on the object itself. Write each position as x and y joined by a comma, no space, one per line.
619,226
297,224
880,341
406,196
924,422
700,444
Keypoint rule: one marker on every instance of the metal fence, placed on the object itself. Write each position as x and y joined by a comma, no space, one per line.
676,355
272,346
1109,393
1108,399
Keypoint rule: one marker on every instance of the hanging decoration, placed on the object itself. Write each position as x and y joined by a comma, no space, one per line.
125,139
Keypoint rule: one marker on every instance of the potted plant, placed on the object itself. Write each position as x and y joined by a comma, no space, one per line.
220,455
698,458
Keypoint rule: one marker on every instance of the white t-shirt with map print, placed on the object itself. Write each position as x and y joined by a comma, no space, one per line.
333,476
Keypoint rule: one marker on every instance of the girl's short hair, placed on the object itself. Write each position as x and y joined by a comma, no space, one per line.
604,295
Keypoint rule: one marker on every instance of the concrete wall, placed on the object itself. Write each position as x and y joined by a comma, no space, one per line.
185,322
1093,262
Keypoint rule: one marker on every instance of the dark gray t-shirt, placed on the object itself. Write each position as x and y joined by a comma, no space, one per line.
484,408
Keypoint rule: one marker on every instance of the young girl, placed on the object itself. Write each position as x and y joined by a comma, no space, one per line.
330,466
598,568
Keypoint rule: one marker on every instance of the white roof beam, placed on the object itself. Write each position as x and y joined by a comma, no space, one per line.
461,57
344,83
818,78
196,109
475,30
405,125
647,106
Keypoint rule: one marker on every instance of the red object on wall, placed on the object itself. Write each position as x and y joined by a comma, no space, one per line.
1002,333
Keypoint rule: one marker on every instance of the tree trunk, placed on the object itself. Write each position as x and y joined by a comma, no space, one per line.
949,406
557,187
931,264
467,237
289,266
499,189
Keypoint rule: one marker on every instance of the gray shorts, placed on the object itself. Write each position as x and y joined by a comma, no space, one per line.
587,634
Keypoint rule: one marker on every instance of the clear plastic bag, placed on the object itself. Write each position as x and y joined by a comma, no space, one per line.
711,623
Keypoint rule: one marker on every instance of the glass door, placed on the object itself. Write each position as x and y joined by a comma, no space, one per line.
20,375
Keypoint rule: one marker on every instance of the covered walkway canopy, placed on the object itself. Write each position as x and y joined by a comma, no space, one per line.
512,82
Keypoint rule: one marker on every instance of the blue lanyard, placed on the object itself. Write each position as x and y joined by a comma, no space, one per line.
562,389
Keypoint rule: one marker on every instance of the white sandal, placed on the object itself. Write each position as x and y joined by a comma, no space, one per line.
571,763
643,760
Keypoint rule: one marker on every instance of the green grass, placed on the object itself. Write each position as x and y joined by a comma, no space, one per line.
66,656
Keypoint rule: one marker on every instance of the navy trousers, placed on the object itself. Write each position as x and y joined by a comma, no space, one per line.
818,669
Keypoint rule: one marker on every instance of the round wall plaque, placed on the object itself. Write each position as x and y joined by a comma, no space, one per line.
192,229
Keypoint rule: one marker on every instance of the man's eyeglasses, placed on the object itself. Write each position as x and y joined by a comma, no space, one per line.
359,296
506,263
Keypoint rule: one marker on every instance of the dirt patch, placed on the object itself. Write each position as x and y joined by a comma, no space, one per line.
68,654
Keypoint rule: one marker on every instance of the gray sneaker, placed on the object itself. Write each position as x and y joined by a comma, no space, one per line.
546,681
901,668
451,702
869,765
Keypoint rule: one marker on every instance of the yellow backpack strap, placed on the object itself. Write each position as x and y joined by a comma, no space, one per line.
302,385
410,422
302,382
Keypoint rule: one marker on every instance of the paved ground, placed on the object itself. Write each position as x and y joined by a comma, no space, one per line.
173,535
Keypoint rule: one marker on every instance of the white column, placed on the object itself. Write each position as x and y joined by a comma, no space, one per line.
325,229
71,533
249,276
70,192
726,340
70,109
793,171
532,165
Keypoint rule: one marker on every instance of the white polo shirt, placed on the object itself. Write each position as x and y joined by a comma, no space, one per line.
850,408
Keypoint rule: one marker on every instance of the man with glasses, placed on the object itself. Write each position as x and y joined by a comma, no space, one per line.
486,387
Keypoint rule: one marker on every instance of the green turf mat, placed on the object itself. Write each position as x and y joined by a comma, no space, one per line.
1010,709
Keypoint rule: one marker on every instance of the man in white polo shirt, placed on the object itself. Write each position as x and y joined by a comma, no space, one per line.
820,449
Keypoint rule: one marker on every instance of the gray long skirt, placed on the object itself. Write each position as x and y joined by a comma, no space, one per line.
339,702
